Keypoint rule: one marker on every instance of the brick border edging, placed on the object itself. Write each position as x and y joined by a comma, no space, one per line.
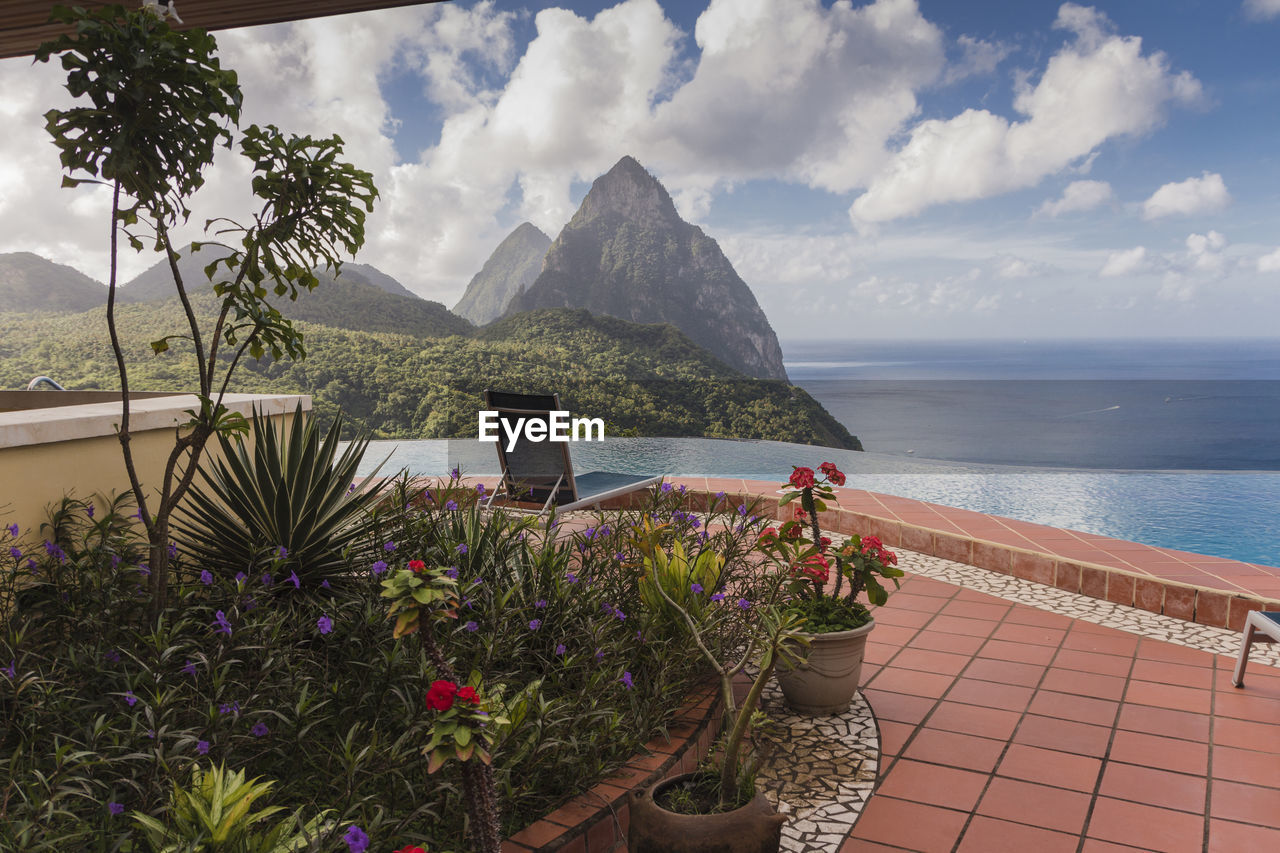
596,820
1190,603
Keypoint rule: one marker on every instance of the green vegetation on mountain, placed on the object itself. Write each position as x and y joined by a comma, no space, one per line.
511,268
651,380
31,283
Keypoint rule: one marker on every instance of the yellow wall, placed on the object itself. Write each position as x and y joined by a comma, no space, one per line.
38,474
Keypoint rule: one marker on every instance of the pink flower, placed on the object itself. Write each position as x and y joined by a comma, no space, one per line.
802,478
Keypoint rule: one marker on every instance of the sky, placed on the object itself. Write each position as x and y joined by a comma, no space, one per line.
896,169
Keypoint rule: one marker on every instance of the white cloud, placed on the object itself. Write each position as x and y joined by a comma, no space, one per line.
1269,262
1204,252
978,57
1194,195
1262,9
1078,196
1011,266
1125,263
1097,87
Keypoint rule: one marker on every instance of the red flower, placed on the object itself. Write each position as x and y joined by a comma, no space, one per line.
871,543
832,473
824,542
468,694
816,568
768,536
791,530
416,566
410,848
801,515
802,478
440,695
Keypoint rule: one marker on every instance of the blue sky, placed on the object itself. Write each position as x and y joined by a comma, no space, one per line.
894,169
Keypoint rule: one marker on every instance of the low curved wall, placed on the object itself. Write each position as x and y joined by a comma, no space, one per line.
597,819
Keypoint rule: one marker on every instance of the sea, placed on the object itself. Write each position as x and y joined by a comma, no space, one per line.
1168,443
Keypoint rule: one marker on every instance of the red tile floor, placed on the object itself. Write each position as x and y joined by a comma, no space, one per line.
1008,728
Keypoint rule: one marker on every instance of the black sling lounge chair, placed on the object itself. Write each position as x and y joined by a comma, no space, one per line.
541,471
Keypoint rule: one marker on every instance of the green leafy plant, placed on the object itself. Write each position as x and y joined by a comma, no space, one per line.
286,496
159,104
214,813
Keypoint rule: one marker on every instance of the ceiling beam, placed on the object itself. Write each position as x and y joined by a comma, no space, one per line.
24,24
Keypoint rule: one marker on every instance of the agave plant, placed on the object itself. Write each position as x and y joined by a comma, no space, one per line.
214,813
279,497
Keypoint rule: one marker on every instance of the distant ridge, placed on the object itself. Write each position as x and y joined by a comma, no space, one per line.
29,282
627,253
511,268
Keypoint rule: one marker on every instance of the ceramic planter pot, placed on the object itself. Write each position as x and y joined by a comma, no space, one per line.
826,682
753,828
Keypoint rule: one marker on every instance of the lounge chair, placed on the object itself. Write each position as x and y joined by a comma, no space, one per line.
1260,627
541,471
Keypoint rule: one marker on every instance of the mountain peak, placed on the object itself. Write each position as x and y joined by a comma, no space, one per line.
628,190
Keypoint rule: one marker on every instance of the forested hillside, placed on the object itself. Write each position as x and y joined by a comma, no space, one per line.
651,380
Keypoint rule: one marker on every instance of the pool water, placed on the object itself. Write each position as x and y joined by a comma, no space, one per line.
1222,513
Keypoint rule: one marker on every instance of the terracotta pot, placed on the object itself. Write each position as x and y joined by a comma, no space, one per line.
753,828
829,677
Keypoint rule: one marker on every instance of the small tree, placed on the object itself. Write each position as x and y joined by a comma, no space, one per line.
160,104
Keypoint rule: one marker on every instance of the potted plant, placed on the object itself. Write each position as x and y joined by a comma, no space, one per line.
717,809
836,622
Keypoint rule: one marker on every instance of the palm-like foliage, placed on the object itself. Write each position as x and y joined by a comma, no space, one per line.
280,489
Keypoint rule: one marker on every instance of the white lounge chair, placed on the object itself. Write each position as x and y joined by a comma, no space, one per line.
1261,627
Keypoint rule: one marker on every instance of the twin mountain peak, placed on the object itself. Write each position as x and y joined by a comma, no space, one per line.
628,254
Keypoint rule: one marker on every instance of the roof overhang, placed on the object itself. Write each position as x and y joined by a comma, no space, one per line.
24,24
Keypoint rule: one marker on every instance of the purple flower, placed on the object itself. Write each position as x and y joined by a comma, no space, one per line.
202,747
389,547
451,572
451,505
229,708
89,510
241,577
540,604
116,809
470,626
13,530
455,473
293,579
54,551
626,680
115,561
461,549
599,654
324,584
112,655
144,570
221,622
351,488
259,729
130,699
282,552
617,611
694,522
535,624
719,496
190,669
378,567
666,487
570,577
206,577
590,533
744,604
173,551
682,489
618,556
325,624
11,669
480,488
15,552
742,509
719,596
357,841
560,648
695,587
267,580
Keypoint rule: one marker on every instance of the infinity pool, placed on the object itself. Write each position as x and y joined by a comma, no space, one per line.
1226,514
